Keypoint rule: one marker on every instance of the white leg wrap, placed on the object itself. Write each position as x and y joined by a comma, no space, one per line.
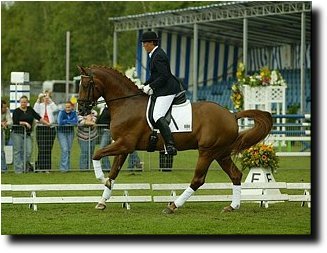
183,197
98,170
107,192
236,199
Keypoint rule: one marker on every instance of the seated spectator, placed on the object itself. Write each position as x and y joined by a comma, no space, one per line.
45,136
6,122
87,135
67,119
23,118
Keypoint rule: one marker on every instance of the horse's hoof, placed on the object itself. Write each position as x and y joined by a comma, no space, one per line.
168,210
101,206
227,209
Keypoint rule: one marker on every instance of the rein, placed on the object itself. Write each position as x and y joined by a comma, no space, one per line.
91,90
114,99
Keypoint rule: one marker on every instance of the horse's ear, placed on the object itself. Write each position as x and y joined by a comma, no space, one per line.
82,70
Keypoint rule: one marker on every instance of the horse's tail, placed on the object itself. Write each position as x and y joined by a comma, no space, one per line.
262,126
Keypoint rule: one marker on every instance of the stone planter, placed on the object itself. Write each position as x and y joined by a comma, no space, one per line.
260,175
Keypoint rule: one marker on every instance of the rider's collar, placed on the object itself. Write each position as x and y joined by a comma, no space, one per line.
151,53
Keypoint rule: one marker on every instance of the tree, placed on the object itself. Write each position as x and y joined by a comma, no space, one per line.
33,35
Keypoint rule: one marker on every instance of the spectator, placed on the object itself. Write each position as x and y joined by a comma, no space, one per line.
6,122
105,136
23,118
67,119
45,136
134,161
87,135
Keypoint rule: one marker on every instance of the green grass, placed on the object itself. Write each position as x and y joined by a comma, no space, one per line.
284,218
193,218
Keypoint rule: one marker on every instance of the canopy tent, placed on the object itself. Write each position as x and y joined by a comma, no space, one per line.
217,61
207,42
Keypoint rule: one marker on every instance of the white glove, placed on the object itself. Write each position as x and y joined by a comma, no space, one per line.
140,87
147,90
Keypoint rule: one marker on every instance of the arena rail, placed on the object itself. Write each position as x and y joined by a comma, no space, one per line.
126,199
33,200
263,198
285,136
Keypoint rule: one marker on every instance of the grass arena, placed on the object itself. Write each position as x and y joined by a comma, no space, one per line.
194,218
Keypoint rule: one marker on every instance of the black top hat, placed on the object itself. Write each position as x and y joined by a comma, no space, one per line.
149,36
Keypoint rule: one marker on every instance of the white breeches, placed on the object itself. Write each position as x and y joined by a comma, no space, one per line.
162,106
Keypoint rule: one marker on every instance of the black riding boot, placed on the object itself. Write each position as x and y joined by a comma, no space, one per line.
163,126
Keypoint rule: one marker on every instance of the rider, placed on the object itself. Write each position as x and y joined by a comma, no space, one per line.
162,84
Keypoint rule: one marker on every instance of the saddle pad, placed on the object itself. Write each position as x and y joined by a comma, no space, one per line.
182,114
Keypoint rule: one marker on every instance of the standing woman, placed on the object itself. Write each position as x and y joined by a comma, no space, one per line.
23,118
103,126
67,120
87,135
45,136
162,85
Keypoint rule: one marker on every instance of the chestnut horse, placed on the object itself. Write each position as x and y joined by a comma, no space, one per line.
215,132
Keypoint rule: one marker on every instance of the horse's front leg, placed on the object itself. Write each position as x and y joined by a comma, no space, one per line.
114,149
110,180
120,153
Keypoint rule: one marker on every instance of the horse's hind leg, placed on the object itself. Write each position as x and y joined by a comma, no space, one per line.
236,176
109,181
204,161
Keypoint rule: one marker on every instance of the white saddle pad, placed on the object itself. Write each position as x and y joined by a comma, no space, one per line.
182,115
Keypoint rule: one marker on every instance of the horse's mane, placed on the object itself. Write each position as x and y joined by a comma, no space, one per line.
115,72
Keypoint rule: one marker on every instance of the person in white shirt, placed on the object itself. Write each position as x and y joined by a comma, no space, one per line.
45,136
6,122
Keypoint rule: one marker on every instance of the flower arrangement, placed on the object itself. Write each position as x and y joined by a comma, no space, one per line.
261,155
237,97
265,77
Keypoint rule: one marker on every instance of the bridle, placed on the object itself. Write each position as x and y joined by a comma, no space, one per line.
86,105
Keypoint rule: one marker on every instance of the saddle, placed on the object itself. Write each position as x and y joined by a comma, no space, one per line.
178,100
180,106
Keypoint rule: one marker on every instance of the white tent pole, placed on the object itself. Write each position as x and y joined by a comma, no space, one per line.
303,46
195,62
245,44
114,60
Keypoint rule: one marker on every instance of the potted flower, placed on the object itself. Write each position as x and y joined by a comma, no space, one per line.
262,162
260,156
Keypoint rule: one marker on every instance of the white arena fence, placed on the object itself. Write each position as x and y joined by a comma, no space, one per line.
292,138
293,192
291,134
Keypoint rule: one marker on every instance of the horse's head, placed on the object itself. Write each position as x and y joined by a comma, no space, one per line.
88,91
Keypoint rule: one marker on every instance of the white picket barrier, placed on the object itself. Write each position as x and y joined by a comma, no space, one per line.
33,200
263,198
126,199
